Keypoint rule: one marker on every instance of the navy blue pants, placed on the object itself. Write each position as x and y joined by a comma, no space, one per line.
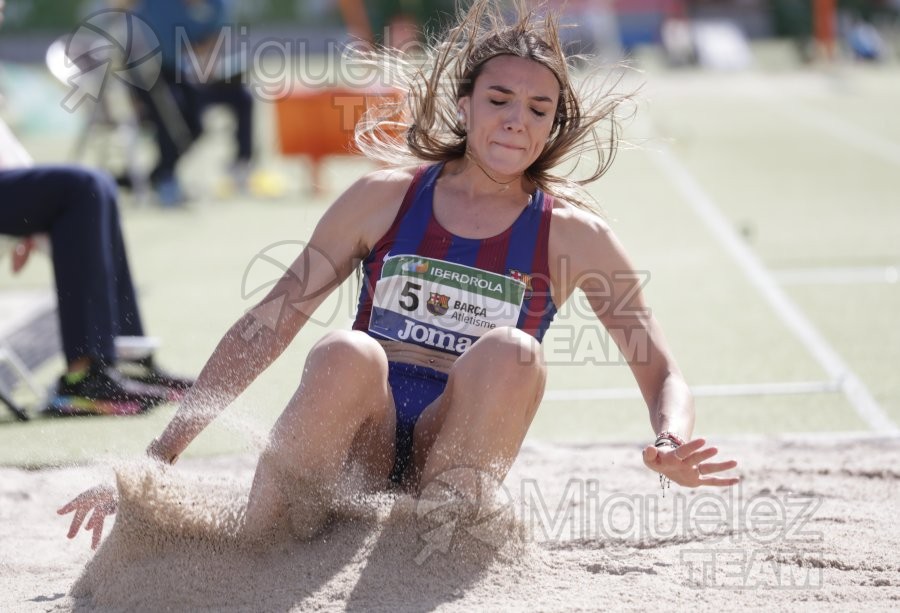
77,208
175,107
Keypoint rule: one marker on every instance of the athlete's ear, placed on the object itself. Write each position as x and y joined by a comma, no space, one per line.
463,106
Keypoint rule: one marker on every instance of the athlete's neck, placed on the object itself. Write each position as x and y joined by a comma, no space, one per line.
502,182
480,182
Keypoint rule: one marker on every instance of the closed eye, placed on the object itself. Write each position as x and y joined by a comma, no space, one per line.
537,112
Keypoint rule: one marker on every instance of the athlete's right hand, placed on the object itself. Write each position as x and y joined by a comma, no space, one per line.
101,500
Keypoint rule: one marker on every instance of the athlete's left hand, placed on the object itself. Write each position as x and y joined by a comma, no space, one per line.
687,465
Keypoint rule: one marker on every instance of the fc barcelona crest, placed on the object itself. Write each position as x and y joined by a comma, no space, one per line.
526,279
438,304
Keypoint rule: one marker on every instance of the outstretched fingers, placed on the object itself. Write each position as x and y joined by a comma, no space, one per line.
95,525
700,456
80,513
97,502
81,508
688,464
719,481
716,467
689,448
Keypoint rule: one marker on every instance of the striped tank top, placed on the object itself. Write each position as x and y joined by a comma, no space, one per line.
426,286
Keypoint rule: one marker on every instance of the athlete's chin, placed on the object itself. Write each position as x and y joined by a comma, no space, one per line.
510,164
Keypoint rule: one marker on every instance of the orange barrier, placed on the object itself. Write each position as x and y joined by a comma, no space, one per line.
320,122
825,26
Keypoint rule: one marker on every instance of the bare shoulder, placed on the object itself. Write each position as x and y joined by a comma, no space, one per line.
370,204
379,186
573,230
582,247
390,177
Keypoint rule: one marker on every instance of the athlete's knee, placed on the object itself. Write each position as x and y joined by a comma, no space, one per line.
505,360
511,348
351,350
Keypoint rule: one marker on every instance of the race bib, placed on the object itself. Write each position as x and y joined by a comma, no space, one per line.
440,305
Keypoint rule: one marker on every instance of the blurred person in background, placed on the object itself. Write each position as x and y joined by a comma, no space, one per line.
77,209
198,70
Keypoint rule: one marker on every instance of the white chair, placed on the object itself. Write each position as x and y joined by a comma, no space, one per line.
26,341
9,357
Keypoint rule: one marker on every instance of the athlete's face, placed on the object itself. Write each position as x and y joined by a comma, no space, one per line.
509,115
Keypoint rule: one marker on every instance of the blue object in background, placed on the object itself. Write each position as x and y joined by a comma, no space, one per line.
177,21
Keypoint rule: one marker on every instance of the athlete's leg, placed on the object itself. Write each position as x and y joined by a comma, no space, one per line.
341,411
480,420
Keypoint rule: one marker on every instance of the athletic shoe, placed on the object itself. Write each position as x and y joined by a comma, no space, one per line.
146,371
103,391
169,193
124,181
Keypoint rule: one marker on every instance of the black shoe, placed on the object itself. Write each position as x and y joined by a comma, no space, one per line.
146,371
103,391
124,181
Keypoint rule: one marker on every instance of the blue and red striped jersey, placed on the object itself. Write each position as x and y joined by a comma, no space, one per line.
520,251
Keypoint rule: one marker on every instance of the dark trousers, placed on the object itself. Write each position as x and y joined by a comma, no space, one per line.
77,208
175,109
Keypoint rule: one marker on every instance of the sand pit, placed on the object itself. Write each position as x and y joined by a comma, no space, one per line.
812,526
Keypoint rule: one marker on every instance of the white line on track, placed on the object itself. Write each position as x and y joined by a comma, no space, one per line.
737,389
838,370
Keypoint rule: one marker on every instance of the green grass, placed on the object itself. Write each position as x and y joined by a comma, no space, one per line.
799,194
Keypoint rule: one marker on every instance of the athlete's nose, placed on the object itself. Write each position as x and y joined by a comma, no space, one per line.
514,121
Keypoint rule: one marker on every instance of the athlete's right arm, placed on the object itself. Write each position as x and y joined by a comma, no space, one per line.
343,236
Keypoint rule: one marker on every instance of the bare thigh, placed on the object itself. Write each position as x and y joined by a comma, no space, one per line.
342,412
482,417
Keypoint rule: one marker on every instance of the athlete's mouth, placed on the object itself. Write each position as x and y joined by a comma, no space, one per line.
512,147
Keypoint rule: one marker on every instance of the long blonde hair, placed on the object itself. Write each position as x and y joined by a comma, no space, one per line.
423,125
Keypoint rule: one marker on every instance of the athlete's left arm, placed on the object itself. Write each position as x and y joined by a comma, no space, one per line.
586,254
